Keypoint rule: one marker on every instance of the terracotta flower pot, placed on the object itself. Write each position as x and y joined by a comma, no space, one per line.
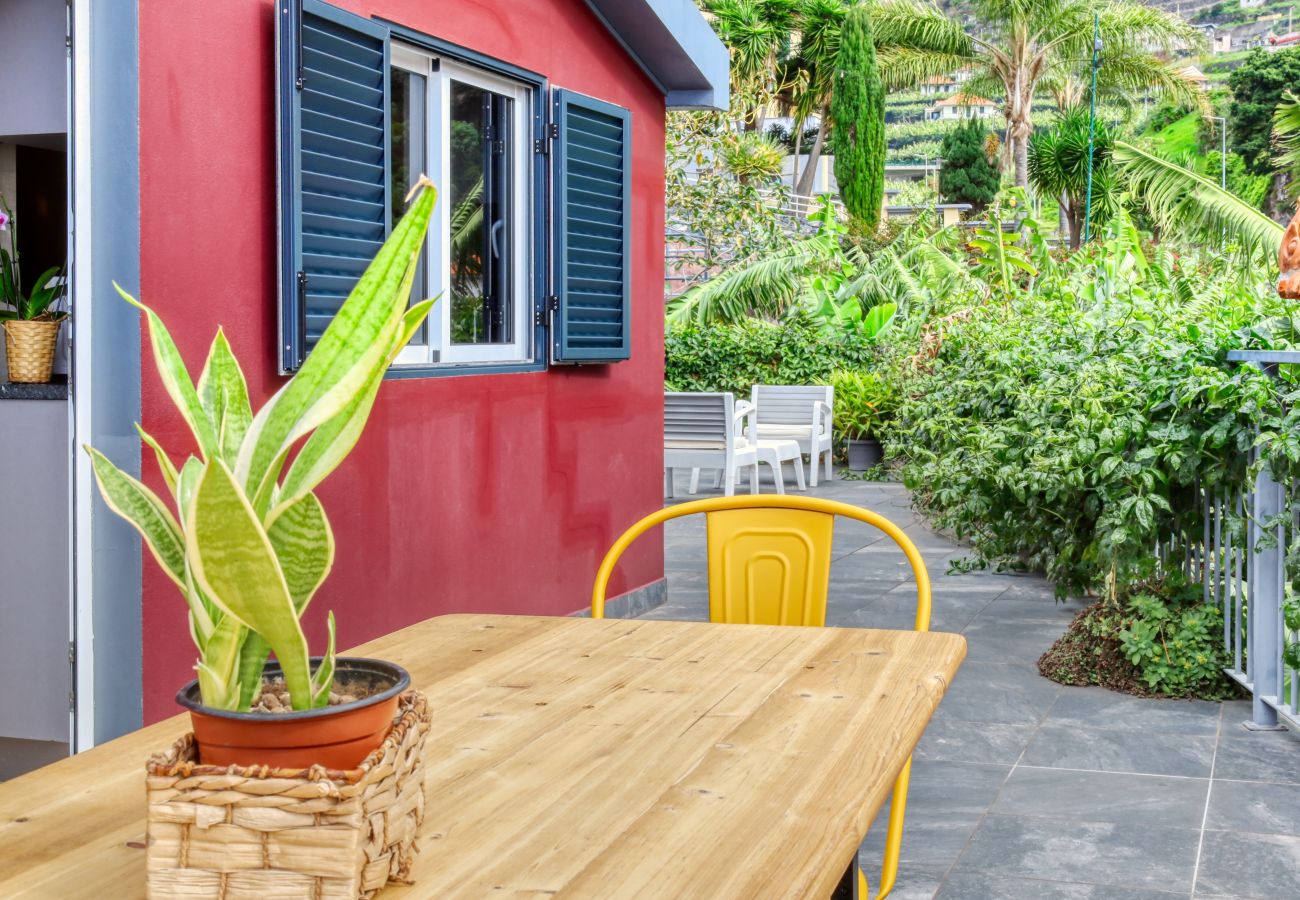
336,737
29,349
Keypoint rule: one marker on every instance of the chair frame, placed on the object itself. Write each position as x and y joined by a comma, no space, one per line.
820,441
898,802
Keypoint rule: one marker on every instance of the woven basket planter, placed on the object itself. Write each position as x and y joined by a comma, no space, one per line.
29,348
255,832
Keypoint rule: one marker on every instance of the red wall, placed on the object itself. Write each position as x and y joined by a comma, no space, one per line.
469,493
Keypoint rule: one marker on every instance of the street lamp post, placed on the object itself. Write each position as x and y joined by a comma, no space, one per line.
1092,122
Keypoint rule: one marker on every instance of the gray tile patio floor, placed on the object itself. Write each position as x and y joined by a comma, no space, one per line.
1026,790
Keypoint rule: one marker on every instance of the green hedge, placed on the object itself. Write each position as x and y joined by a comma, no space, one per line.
735,357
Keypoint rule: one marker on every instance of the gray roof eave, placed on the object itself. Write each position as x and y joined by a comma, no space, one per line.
674,45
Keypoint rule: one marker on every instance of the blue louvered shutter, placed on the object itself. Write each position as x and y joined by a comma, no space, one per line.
592,224
333,109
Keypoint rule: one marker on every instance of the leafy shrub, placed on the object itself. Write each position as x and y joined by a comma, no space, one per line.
1175,639
1160,640
796,350
1068,427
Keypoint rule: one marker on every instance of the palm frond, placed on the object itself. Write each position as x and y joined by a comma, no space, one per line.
904,67
1286,133
765,286
1183,201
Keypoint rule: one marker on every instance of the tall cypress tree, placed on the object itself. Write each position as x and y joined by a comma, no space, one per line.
858,113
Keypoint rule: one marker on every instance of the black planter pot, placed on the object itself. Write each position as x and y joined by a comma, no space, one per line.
864,455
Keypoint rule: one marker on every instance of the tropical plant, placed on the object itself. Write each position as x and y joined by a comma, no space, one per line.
813,67
757,34
248,542
858,109
38,300
1181,201
968,174
1286,134
751,156
1175,639
864,403
1059,163
1258,87
1021,47
719,217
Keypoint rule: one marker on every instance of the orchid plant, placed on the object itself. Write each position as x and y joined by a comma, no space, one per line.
244,538
15,303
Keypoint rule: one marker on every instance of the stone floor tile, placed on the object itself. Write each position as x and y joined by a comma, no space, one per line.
1094,707
988,887
1142,752
1250,865
1246,755
999,692
1254,806
955,740
1154,800
1110,853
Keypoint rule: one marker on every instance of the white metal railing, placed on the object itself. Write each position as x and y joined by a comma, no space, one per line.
1240,559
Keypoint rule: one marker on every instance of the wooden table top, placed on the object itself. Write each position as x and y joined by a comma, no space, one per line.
580,758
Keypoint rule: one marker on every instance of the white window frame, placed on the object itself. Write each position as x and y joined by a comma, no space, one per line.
440,351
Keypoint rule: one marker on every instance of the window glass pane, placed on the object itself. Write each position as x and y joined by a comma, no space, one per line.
407,129
480,155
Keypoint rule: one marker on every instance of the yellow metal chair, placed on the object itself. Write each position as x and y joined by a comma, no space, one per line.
769,564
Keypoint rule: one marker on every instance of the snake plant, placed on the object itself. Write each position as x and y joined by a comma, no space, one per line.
244,538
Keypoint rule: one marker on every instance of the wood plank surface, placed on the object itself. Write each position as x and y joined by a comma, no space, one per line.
578,758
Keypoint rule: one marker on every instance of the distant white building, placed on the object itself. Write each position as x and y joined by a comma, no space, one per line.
938,84
963,106
1251,4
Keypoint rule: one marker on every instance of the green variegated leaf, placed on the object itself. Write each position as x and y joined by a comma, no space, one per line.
235,565
322,680
304,546
164,461
224,395
343,360
204,615
145,511
219,669
411,322
176,379
328,446
185,482
252,660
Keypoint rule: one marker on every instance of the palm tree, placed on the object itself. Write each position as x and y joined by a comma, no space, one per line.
1022,47
758,34
1059,162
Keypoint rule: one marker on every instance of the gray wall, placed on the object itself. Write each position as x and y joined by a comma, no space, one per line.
34,569
33,67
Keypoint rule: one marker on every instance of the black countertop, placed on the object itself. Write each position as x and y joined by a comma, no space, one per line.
57,389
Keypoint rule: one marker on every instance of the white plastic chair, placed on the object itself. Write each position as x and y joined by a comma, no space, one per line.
803,413
700,432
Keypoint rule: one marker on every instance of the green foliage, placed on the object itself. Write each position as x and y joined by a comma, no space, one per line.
1258,87
249,543
1175,639
734,357
1059,167
967,175
1067,427
858,109
719,217
864,403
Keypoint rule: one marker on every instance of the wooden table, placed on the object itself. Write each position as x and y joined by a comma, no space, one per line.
579,758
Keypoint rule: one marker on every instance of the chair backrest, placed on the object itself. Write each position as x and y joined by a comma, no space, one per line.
769,557
698,421
789,404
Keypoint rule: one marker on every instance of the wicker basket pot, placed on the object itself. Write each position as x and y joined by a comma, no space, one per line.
222,832
29,348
